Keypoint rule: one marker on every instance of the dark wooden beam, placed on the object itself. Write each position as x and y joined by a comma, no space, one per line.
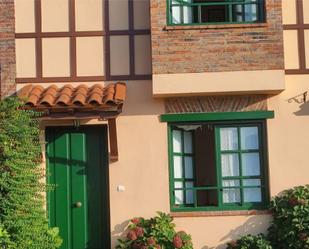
113,143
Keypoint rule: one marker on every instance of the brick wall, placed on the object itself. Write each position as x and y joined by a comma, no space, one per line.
216,104
216,49
7,48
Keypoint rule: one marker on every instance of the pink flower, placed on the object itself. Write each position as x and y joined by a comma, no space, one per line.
151,241
139,231
132,235
136,221
177,241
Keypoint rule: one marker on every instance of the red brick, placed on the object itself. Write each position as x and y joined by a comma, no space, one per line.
217,48
7,48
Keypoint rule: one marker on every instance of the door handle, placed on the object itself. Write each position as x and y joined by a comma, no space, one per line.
78,204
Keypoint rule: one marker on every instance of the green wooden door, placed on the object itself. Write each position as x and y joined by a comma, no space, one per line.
77,167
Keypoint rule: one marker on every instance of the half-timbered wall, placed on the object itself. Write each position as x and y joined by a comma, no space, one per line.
296,36
82,40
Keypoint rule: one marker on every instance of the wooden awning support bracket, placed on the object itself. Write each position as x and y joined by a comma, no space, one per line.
113,144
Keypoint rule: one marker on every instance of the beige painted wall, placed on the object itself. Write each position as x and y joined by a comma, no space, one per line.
289,11
291,54
25,58
56,57
289,136
89,15
55,15
24,16
236,82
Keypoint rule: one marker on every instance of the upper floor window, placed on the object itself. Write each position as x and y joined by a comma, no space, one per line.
182,12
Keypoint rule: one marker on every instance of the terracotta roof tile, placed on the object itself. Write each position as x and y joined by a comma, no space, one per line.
49,96
32,94
80,95
120,91
65,94
96,95
68,96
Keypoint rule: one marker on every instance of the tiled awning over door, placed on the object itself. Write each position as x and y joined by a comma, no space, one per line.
74,102
78,102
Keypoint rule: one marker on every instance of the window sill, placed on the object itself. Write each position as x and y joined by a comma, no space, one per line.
214,26
219,213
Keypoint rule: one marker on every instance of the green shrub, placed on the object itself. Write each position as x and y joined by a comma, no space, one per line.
290,227
5,241
155,233
22,213
250,242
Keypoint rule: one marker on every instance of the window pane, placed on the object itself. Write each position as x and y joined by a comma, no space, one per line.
231,195
187,13
252,195
250,12
188,142
179,193
230,183
228,139
250,164
176,17
252,182
176,141
178,167
189,193
188,167
238,13
230,165
249,138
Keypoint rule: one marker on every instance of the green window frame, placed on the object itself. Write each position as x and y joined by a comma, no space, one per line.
201,12
245,185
